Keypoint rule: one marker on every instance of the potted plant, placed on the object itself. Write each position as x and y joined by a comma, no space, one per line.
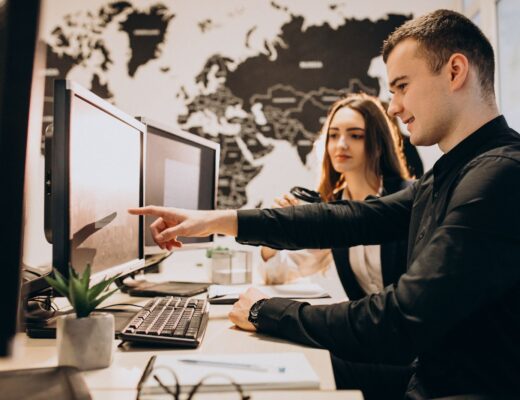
85,340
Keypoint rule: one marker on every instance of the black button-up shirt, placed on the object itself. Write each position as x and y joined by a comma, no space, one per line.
456,310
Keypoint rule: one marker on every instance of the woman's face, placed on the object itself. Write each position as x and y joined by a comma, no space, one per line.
346,141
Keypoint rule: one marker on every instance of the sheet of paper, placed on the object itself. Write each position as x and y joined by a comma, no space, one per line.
253,371
291,290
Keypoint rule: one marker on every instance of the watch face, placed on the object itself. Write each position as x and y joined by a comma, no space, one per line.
253,312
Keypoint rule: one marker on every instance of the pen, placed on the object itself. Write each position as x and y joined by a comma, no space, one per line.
225,364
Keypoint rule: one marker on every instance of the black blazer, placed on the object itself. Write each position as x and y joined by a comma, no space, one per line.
393,254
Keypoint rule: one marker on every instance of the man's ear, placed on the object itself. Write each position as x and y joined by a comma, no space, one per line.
458,69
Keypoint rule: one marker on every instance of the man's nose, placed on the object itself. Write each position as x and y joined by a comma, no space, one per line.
394,107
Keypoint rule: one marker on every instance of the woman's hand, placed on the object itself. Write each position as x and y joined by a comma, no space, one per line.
286,200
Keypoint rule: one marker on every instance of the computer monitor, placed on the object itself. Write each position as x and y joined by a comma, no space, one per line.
18,28
95,177
181,171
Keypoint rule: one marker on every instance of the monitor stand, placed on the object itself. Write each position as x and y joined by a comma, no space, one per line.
152,261
144,288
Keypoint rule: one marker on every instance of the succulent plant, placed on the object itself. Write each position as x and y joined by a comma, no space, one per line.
83,298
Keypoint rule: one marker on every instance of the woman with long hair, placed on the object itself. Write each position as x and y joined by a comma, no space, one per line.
362,159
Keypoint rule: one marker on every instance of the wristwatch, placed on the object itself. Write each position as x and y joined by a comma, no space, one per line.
253,312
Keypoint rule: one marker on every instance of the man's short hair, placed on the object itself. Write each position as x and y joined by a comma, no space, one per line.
442,33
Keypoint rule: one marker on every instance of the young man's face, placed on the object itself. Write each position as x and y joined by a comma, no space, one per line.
420,99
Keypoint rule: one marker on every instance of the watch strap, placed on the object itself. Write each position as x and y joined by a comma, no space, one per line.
253,312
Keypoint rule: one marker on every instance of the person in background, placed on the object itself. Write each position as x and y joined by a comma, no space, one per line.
362,159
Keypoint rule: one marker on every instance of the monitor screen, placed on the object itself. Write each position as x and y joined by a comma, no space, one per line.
96,177
181,171
18,27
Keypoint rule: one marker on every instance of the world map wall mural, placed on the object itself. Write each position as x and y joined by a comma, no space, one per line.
256,79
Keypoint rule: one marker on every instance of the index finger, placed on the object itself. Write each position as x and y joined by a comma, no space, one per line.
148,210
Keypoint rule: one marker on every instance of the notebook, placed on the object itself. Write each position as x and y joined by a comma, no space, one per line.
252,371
228,294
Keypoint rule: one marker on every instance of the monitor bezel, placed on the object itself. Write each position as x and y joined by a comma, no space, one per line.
190,137
64,92
16,80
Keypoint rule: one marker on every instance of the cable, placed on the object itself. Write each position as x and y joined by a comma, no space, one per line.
48,306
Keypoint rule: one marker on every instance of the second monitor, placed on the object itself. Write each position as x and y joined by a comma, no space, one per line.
181,170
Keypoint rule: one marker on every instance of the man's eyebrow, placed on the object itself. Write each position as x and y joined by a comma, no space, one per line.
392,84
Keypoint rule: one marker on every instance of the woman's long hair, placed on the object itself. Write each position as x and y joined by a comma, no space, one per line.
383,145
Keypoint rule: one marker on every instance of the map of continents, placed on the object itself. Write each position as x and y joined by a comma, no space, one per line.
282,93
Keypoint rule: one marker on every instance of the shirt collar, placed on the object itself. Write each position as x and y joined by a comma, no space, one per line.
469,148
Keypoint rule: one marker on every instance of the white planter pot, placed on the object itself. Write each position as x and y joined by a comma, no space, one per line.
85,343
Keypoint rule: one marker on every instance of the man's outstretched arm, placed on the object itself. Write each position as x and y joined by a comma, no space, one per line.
310,226
174,222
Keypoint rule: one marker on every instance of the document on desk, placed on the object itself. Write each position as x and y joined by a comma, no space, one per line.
228,294
252,371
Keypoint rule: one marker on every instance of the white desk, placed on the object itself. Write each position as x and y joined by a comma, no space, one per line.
259,395
120,379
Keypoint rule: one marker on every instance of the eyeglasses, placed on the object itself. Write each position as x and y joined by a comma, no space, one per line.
176,393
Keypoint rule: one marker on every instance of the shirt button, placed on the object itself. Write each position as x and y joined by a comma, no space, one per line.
421,235
435,195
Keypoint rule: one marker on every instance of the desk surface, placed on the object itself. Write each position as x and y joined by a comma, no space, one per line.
221,337
263,395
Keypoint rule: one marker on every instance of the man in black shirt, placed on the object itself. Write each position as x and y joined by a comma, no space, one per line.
456,311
